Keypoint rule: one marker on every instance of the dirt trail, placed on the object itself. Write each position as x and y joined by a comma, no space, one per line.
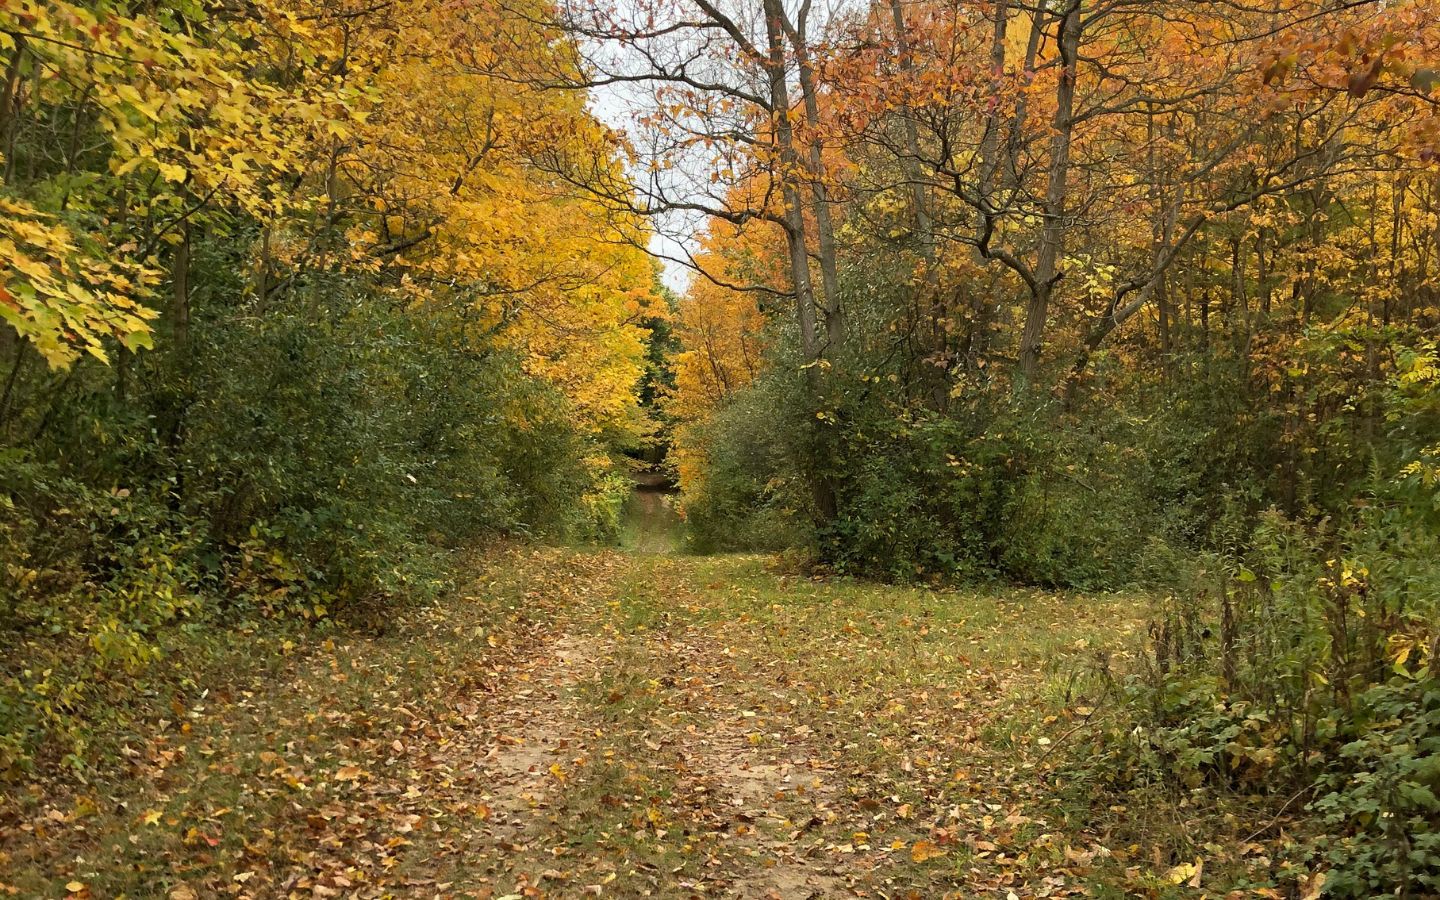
673,738
603,723
539,735
651,523
772,781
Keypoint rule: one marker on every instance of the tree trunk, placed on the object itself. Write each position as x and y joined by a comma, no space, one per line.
924,224
794,226
180,280
819,189
1052,239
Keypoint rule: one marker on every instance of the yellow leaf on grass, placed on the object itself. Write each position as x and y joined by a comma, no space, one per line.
348,773
1187,873
921,851
75,887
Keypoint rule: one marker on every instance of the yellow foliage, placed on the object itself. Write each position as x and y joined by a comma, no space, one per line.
464,213
391,141
188,125
720,331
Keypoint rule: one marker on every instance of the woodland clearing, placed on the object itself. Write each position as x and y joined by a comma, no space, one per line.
616,723
751,448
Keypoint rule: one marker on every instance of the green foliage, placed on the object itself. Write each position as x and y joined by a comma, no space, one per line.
995,488
314,458
1382,799
92,578
754,495
1302,667
956,475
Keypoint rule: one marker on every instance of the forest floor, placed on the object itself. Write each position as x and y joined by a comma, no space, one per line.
612,723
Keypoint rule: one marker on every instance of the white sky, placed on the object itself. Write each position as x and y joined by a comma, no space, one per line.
673,238
620,106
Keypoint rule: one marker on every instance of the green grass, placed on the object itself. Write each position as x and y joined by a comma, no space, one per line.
924,714
651,524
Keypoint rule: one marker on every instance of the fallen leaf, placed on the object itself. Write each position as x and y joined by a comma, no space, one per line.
921,851
1313,886
1183,873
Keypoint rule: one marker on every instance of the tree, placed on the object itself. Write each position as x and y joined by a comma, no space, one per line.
717,95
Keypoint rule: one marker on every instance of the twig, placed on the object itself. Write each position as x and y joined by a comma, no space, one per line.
1276,818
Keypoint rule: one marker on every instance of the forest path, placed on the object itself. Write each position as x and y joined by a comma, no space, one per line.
710,726
651,523
590,722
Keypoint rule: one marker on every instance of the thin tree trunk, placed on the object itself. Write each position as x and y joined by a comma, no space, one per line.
1052,240
180,280
9,112
794,219
1159,232
21,346
819,188
924,224
794,226
1022,105
990,143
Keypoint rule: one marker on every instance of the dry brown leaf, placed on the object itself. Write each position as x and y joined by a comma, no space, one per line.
1313,886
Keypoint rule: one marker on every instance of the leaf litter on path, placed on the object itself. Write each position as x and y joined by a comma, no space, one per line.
593,723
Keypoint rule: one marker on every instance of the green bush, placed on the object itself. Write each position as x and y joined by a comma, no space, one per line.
1003,489
1381,801
985,482
1303,668
755,495
316,457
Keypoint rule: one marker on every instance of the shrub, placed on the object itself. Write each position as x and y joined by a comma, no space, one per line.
1303,668
314,458
754,494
